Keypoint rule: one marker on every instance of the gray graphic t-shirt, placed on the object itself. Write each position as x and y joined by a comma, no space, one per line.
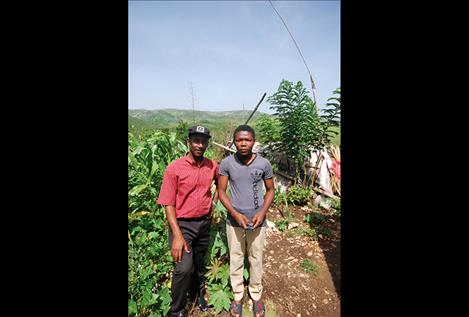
246,183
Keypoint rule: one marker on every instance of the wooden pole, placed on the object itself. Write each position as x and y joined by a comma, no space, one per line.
222,146
250,116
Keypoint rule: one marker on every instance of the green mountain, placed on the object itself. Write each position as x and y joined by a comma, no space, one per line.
220,123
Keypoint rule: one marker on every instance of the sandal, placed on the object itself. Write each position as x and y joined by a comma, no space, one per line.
202,301
258,307
236,309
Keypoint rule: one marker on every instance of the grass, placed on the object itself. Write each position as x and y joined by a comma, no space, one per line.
309,266
311,233
282,224
315,217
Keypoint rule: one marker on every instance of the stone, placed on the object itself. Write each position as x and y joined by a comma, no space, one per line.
270,224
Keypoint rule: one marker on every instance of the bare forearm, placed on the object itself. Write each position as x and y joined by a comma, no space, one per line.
225,200
268,199
178,244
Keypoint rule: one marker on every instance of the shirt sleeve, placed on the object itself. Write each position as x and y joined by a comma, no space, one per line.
268,173
224,168
168,188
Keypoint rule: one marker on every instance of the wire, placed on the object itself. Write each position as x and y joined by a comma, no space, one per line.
313,86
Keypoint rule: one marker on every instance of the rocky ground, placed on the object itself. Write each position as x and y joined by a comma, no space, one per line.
301,267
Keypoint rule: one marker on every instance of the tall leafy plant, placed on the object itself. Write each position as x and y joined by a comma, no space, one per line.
329,118
299,120
217,262
149,261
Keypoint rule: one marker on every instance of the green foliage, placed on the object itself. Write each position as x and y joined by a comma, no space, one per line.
149,265
280,197
182,130
309,266
267,129
298,195
147,161
218,245
211,153
149,260
336,213
315,218
218,274
311,233
139,128
282,224
330,119
301,127
336,204
219,212
335,135
299,120
325,231
218,269
220,297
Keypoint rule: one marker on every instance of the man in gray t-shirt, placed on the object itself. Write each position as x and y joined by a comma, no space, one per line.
246,183
246,172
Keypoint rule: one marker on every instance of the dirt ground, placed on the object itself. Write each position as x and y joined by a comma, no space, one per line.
289,290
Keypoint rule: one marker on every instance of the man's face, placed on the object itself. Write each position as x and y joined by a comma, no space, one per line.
197,145
244,142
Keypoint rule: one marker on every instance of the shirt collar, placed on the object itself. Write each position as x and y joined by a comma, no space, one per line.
189,160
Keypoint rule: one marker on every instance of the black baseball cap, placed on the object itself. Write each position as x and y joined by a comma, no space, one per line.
200,130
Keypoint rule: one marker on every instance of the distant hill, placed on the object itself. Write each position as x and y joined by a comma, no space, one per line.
161,117
220,123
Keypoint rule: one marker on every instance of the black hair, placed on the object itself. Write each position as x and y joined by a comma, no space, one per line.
244,127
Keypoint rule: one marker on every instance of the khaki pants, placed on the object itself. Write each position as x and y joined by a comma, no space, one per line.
240,241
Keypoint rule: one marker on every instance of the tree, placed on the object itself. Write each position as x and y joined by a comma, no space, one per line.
330,118
300,127
299,121
182,130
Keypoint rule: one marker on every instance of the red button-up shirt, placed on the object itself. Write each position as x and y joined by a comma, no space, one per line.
186,186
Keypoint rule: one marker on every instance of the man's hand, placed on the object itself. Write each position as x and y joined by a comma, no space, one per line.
241,219
177,246
258,219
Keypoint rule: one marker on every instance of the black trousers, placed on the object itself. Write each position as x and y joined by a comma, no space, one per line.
197,236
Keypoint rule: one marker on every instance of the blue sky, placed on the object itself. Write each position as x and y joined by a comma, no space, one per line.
231,51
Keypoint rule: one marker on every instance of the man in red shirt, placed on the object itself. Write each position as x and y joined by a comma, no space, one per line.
187,197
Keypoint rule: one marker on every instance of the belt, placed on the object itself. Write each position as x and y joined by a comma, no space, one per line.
206,217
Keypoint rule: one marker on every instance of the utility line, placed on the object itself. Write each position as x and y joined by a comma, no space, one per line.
313,86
